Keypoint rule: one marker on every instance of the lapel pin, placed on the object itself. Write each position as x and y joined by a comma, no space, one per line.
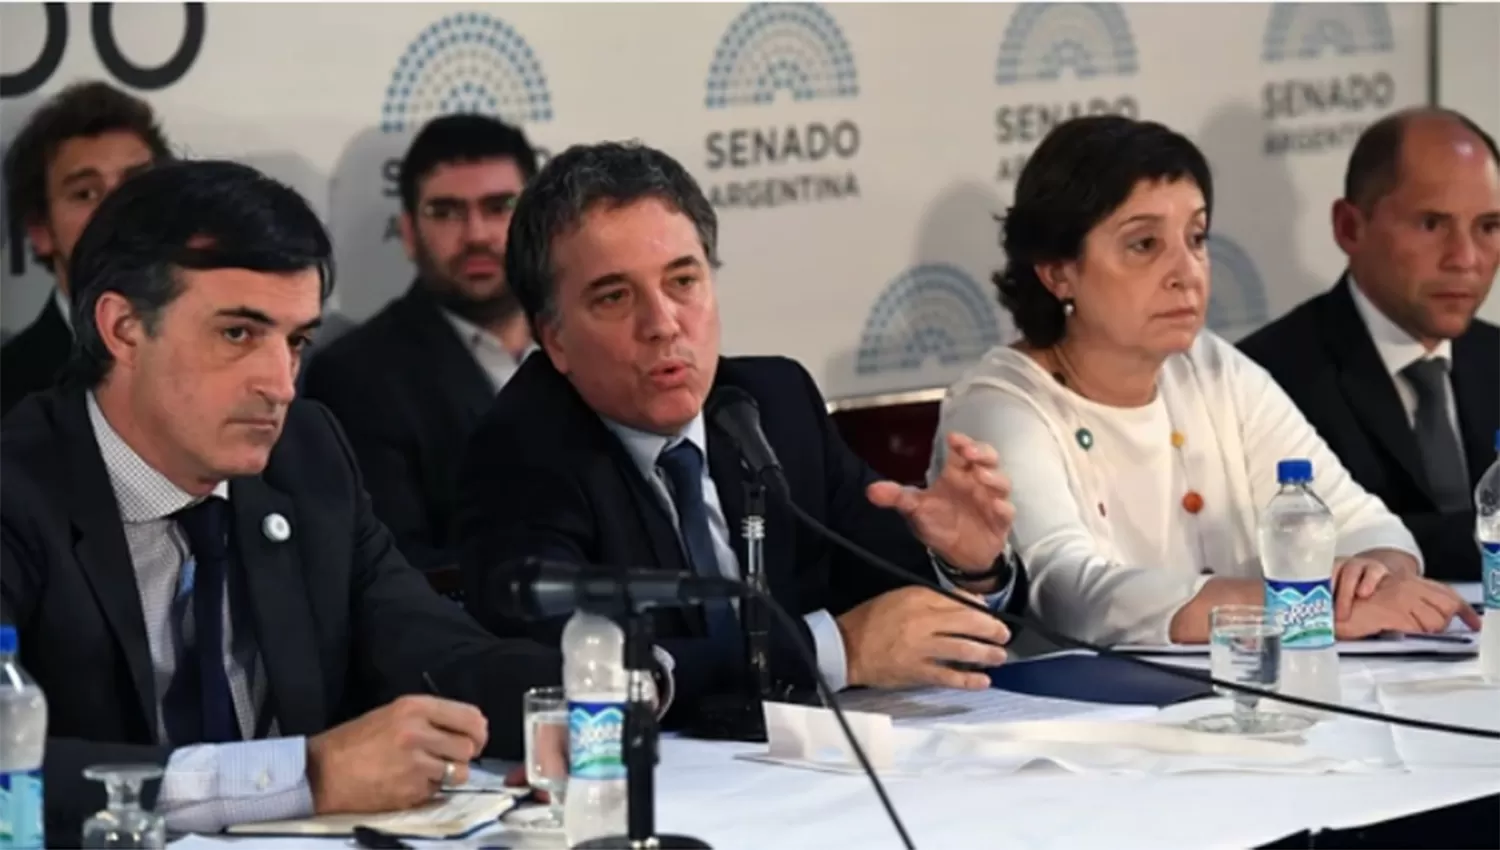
276,528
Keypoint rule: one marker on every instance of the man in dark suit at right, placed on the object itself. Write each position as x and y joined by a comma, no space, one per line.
1391,366
410,384
72,152
599,451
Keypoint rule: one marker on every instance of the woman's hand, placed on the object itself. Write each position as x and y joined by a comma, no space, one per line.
1355,578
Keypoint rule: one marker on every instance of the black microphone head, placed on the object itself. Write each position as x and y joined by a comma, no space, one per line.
726,400
534,589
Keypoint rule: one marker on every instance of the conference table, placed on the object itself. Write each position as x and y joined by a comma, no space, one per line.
1355,773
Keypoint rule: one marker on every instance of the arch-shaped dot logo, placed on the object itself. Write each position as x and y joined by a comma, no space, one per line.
1309,30
931,312
1238,295
468,62
797,48
1043,40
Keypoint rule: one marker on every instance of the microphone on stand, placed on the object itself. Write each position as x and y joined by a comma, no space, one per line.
537,588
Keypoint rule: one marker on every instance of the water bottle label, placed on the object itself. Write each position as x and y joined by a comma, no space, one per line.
1305,610
21,809
596,735
1490,572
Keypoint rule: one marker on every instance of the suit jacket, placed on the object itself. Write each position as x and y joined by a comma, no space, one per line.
408,395
1323,356
545,477
343,624
31,361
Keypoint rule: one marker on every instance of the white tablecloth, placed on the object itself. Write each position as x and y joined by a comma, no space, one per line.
704,791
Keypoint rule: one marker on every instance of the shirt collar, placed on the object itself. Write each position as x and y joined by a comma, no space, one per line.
1397,347
474,336
143,493
645,448
63,306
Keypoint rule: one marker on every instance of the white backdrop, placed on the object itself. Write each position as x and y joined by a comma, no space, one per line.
857,152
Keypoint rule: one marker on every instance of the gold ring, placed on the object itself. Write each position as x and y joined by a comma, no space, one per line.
449,769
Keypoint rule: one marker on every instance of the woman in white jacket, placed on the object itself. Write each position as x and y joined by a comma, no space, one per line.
1140,446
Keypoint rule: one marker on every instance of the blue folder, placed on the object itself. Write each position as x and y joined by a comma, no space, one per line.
1088,677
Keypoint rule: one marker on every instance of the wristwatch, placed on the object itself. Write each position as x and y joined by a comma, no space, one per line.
1003,568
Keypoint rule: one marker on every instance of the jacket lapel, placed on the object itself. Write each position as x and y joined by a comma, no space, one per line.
1367,387
282,614
103,554
1476,374
455,370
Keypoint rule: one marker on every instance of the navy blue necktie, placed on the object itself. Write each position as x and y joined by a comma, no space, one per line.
198,707
683,464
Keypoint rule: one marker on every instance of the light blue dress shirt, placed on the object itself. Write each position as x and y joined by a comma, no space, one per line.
644,448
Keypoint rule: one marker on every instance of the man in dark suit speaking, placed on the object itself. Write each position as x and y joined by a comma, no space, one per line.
1390,365
599,452
189,555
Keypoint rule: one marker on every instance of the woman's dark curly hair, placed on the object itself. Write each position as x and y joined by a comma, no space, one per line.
1081,173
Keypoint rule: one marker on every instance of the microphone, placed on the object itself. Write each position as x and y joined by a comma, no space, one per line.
735,413
537,588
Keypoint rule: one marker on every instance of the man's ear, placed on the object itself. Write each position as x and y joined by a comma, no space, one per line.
41,240
120,328
408,229
1348,225
551,342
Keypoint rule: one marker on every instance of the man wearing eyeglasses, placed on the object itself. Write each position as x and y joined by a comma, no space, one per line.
411,383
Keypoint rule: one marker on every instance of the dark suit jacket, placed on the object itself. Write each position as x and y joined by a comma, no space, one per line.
1323,356
408,395
31,360
545,477
342,622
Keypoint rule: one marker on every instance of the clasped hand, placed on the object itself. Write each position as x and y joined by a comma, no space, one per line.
1369,598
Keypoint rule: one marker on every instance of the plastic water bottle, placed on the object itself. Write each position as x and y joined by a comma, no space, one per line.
596,685
1298,540
1487,532
23,741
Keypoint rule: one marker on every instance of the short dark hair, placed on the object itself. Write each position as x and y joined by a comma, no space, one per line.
86,109
574,182
1375,163
204,214
461,137
1083,170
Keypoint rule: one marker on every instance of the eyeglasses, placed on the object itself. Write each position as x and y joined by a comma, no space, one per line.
456,210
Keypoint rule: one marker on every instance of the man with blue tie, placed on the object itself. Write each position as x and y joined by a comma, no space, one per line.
600,452
188,553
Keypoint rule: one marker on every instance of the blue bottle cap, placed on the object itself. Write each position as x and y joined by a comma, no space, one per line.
8,640
1294,471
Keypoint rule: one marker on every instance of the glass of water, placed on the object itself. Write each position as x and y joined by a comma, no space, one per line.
547,748
1245,648
124,823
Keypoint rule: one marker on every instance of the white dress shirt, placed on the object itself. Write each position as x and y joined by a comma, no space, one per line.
495,359
1110,549
206,786
1399,350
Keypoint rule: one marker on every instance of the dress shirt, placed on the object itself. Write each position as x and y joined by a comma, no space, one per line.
495,359
206,786
828,641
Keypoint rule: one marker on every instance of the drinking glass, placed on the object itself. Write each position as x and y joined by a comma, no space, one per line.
1245,648
124,823
547,748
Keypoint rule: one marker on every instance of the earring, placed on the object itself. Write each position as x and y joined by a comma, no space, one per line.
1068,307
